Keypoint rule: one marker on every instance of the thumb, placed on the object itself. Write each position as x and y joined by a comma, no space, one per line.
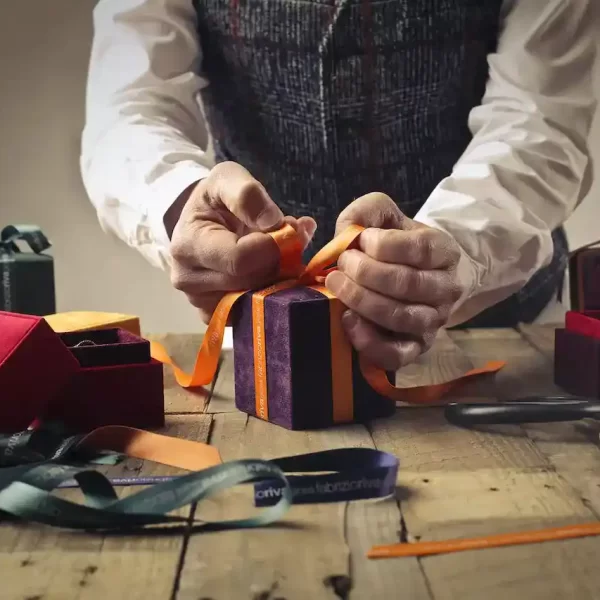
373,210
245,197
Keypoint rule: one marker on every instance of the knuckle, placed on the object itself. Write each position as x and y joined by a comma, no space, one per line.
398,317
383,245
352,294
416,281
179,279
393,360
455,292
430,320
178,249
400,281
426,243
234,264
420,319
359,270
443,315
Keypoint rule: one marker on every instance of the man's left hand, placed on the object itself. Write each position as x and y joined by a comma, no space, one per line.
399,284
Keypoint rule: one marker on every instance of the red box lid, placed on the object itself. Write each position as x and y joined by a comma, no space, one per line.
35,366
584,323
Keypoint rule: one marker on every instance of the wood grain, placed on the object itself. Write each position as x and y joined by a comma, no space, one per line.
54,564
572,448
441,363
222,397
453,483
309,554
527,371
461,483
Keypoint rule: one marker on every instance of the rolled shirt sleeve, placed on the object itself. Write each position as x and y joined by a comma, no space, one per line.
527,166
144,140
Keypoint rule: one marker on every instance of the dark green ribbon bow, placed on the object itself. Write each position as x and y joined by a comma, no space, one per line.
30,234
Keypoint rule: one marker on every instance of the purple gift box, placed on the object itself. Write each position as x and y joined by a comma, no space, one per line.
298,363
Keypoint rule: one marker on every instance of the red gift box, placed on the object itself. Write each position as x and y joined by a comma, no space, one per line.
577,354
35,367
85,379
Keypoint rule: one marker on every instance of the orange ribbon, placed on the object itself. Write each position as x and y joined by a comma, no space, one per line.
292,274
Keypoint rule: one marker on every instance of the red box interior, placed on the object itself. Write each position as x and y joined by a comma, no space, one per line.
107,347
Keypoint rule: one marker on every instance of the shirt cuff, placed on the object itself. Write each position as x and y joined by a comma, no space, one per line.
165,192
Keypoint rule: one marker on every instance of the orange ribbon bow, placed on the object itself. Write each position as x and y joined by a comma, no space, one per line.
292,274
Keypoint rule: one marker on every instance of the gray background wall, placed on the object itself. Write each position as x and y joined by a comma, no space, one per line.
44,51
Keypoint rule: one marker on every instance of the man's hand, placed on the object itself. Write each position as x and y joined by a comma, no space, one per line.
399,285
219,242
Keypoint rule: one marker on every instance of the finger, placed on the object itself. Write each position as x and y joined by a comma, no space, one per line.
211,246
196,282
373,210
423,248
433,287
305,226
245,197
395,316
378,347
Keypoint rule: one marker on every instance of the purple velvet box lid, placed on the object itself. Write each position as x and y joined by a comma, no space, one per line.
107,347
298,353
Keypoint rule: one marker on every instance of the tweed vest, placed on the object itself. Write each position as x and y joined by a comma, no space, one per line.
326,100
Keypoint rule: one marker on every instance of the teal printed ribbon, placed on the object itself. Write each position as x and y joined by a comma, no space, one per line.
25,493
26,488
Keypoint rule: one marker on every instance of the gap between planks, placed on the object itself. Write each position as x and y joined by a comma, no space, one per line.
317,551
55,564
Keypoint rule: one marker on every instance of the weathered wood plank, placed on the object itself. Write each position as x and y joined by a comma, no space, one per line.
222,398
461,483
441,363
183,350
526,372
572,447
309,554
54,564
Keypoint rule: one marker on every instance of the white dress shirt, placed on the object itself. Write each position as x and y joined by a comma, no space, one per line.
524,172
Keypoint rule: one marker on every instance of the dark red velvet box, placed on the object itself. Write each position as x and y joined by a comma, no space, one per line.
118,383
48,375
584,279
35,368
577,354
298,357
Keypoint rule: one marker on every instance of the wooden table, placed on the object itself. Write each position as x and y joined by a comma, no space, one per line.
452,483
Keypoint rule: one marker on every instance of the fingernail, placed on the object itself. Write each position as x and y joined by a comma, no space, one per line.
269,219
333,281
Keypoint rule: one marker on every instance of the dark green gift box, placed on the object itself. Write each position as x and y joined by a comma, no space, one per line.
26,277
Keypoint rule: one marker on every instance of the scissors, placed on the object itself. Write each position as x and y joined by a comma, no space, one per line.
532,409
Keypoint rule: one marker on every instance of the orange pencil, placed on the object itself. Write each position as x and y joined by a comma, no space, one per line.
488,541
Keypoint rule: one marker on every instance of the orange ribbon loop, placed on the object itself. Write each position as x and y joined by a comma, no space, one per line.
292,273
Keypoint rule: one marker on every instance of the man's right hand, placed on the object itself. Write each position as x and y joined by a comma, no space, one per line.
219,242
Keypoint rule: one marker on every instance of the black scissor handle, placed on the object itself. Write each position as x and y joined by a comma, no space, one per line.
521,412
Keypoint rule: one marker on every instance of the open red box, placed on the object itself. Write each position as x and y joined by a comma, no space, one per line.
84,379
577,354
